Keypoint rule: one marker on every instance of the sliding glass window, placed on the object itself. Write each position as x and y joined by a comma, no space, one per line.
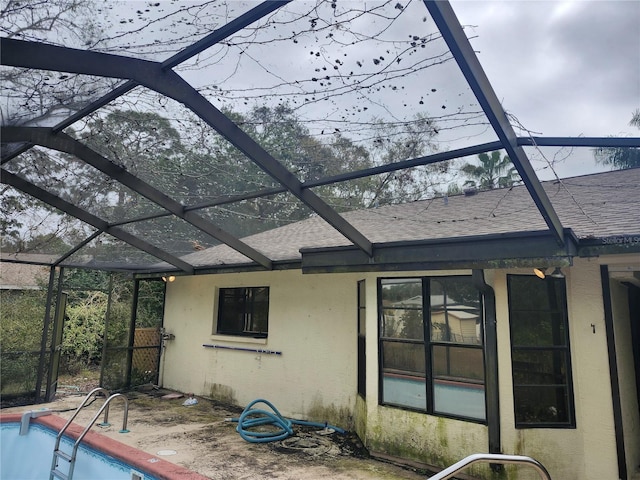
431,348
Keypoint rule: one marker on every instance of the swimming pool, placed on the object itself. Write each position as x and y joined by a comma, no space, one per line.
99,457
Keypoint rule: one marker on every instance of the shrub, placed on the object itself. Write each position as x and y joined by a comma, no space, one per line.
84,328
21,322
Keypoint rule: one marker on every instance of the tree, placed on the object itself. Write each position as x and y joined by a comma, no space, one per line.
619,158
193,165
27,224
48,243
396,143
494,171
283,134
148,146
42,97
310,141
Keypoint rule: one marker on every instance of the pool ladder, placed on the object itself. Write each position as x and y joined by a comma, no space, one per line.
71,458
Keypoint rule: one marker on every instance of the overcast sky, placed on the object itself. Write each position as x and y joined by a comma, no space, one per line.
562,68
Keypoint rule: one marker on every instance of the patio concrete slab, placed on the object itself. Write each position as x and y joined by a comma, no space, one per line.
200,438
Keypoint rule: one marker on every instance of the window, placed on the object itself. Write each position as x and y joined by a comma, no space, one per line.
540,356
362,355
243,311
431,348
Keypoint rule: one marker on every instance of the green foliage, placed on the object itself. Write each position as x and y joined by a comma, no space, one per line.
412,322
21,318
402,290
47,243
494,171
194,165
459,290
18,373
150,304
115,370
80,279
13,206
620,158
86,314
84,328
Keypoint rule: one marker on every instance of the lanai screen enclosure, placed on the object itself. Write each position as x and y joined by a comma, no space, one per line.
135,133
379,92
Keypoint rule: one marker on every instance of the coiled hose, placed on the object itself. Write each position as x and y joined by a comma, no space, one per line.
251,418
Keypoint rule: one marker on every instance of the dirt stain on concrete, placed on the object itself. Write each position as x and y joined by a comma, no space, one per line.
205,441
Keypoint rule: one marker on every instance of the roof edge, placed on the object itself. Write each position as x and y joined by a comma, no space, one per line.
514,250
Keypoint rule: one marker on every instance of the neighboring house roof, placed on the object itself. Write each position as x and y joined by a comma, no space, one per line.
23,276
596,206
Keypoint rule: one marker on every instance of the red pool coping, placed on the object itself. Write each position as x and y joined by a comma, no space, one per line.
137,459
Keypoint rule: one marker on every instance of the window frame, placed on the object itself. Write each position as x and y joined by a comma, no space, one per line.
248,303
428,345
561,312
362,339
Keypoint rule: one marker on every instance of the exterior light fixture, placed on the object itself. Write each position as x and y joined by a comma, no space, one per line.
169,279
540,272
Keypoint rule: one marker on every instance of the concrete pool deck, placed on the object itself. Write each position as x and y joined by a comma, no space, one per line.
200,438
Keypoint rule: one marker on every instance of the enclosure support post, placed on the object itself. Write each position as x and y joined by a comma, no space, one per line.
45,330
56,340
132,329
105,337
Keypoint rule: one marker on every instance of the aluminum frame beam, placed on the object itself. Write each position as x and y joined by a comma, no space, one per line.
463,53
23,185
603,142
78,247
459,45
427,160
19,53
64,143
214,37
479,251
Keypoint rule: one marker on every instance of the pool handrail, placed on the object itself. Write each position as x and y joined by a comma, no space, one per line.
104,406
57,453
105,422
92,393
498,458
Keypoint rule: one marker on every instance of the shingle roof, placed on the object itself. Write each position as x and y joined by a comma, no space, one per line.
592,206
24,275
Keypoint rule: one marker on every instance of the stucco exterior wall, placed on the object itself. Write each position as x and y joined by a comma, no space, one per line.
588,451
313,323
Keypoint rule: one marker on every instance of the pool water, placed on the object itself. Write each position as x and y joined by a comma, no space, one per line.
99,456
29,457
